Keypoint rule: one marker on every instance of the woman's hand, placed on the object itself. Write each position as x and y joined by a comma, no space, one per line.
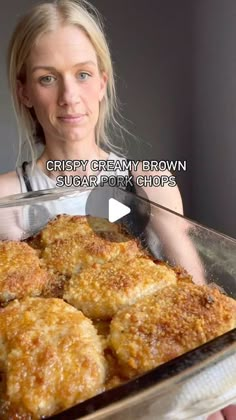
228,413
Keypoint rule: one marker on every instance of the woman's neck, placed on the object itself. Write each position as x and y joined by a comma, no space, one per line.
75,151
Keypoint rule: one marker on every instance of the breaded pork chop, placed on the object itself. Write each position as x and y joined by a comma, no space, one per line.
64,227
50,354
21,273
100,291
69,256
169,323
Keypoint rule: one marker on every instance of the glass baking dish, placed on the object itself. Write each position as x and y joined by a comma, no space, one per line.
190,386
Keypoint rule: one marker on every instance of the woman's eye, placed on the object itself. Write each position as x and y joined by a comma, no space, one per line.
84,76
47,80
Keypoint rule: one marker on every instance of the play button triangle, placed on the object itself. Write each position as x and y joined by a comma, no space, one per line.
117,210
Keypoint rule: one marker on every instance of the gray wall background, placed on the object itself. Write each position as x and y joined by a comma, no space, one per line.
175,64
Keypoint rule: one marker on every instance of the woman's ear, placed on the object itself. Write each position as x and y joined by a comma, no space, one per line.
23,94
103,86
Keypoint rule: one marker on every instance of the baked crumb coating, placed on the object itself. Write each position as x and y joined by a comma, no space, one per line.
21,272
100,291
69,256
144,313
50,354
167,324
69,243
65,226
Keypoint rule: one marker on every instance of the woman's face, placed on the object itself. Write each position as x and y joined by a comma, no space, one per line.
64,85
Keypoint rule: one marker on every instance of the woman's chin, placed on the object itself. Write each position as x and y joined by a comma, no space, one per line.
73,135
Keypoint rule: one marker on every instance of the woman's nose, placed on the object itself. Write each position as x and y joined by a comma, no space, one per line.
69,93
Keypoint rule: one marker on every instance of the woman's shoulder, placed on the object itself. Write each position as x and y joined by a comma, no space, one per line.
9,184
161,188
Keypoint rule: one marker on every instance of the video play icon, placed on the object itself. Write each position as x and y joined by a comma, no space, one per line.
116,210
119,207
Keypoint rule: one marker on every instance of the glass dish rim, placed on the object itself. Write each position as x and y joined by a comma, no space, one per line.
149,384
47,195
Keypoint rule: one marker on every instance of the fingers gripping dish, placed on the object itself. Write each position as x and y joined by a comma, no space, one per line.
50,355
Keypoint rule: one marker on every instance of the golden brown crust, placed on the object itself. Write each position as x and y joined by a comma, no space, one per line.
65,227
182,274
51,355
69,256
9,411
100,291
169,323
21,273
69,243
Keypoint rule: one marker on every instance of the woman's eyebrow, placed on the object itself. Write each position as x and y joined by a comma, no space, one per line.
83,63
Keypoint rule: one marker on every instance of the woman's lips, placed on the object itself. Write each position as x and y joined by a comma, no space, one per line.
72,118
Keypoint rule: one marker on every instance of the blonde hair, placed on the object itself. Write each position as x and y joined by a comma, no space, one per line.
39,20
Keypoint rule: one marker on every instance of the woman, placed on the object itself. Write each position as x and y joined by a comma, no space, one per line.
62,85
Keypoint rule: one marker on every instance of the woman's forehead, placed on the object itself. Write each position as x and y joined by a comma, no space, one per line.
66,44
